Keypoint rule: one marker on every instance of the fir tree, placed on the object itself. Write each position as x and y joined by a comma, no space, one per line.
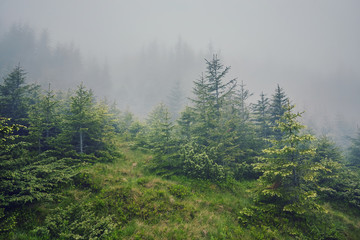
160,130
13,95
287,167
262,115
354,150
210,93
217,88
185,124
43,119
277,109
175,100
81,123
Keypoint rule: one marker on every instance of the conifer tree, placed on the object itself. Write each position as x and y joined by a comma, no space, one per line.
217,88
287,167
239,143
175,100
277,109
262,115
327,149
238,101
185,124
160,130
43,119
354,150
13,95
81,124
202,116
210,93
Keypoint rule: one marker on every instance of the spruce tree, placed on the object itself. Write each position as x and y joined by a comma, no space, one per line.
202,119
217,88
175,100
185,124
13,95
354,150
43,119
277,109
287,167
210,93
238,101
261,113
159,136
81,123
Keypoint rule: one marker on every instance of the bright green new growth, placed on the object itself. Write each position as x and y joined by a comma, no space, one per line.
287,168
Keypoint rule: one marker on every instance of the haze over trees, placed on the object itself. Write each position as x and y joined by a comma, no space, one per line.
61,64
51,139
171,143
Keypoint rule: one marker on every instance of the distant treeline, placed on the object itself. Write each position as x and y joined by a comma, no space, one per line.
60,64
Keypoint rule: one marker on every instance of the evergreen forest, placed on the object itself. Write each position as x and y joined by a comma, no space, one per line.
76,166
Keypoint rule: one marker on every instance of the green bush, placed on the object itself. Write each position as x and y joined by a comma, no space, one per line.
86,180
344,188
7,223
179,191
76,221
266,222
197,164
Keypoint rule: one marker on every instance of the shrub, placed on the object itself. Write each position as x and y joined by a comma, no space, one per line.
76,221
197,164
179,191
85,180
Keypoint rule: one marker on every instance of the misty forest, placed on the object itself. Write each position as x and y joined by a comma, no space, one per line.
170,143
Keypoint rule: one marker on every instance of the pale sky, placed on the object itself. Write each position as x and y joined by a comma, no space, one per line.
310,47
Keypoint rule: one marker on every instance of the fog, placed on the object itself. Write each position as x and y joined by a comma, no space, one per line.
310,47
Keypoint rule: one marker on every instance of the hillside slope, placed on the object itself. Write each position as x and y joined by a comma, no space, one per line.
124,200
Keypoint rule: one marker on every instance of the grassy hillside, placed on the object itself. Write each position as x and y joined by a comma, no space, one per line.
124,200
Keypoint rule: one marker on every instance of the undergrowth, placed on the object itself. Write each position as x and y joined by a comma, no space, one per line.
123,200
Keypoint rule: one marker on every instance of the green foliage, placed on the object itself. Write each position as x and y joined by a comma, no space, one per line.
159,134
265,222
179,191
7,223
219,122
13,94
261,111
134,204
211,92
28,180
327,149
287,167
277,109
184,125
6,134
354,150
150,205
43,120
175,100
86,180
76,221
335,182
343,188
198,164
65,178
126,121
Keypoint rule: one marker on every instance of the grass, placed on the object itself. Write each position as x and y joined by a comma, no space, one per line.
133,203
